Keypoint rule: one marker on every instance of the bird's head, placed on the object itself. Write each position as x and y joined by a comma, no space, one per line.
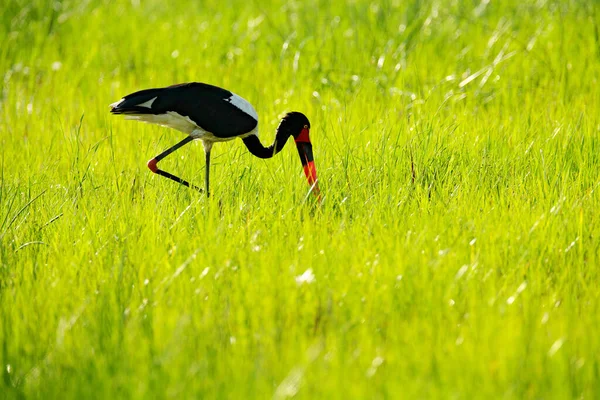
296,124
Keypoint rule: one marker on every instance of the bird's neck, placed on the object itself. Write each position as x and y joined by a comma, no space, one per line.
255,147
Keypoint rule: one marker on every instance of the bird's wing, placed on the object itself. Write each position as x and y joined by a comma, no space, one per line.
215,110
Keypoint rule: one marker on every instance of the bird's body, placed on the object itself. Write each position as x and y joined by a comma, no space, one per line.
212,114
202,111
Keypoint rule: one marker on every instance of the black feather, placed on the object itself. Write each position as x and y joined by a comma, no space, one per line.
129,104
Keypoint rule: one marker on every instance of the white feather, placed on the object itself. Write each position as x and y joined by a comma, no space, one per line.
243,105
147,103
171,119
208,137
116,103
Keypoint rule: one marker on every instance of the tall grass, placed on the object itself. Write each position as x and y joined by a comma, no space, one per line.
456,252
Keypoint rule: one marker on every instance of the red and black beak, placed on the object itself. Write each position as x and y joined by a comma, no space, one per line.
308,163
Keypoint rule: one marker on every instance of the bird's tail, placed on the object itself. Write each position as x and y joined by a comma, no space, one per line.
138,103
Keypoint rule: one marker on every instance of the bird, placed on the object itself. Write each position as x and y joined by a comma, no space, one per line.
213,114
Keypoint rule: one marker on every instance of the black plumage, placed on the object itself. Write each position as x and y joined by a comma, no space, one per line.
206,105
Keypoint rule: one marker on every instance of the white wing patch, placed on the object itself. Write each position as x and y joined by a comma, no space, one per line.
116,103
243,105
147,103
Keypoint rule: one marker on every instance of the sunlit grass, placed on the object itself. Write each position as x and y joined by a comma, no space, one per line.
455,254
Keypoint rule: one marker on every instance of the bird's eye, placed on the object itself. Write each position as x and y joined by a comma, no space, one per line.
305,126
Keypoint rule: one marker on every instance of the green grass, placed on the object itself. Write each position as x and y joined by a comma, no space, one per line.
456,253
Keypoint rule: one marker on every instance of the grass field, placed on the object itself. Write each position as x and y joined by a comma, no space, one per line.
455,255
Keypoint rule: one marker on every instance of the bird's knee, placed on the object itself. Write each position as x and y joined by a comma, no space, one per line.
152,164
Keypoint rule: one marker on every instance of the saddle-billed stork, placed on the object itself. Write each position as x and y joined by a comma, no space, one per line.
213,114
